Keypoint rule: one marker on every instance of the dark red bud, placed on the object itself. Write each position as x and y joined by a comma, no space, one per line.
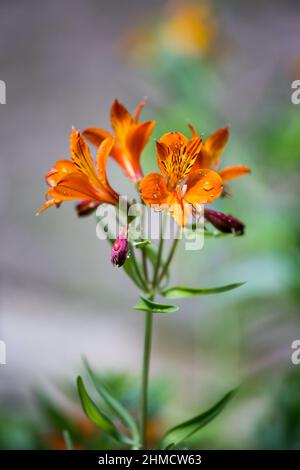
85,208
224,223
119,250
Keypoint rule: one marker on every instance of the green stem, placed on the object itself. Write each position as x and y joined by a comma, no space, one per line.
169,260
158,260
137,269
145,267
145,377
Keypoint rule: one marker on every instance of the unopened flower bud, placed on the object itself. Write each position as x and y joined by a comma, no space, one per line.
224,223
84,208
120,249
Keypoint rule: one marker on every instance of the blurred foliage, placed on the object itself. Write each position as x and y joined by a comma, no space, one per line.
54,415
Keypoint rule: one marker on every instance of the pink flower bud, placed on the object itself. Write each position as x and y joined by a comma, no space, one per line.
120,249
224,223
85,208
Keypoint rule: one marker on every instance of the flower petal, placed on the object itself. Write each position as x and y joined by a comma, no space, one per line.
180,210
212,149
97,135
82,158
215,143
203,187
121,120
48,204
176,156
103,152
60,169
164,158
138,110
136,141
77,186
173,139
153,189
233,172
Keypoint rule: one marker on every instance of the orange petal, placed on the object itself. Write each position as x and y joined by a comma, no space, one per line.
153,189
138,110
74,186
194,146
60,169
173,140
215,143
164,156
82,158
136,141
180,210
233,172
97,135
176,159
104,151
193,130
203,187
48,204
121,120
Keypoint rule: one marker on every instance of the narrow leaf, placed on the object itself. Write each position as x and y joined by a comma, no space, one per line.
180,292
97,416
147,305
68,440
113,403
185,430
142,244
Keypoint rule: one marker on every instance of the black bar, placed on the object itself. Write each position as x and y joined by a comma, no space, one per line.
134,459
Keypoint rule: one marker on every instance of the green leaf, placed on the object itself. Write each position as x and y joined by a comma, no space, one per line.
113,403
68,440
217,234
97,416
147,305
130,269
180,292
142,244
185,430
55,416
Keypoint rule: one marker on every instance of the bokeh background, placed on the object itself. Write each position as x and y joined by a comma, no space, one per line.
211,63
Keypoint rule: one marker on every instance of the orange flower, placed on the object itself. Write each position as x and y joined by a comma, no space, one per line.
131,138
78,178
210,155
177,188
189,29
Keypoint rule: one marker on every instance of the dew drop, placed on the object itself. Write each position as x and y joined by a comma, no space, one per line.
207,186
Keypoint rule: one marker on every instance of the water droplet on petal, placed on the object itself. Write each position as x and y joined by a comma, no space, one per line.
207,186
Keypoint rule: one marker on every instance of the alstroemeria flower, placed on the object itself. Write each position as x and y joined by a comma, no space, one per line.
211,152
130,136
177,188
79,178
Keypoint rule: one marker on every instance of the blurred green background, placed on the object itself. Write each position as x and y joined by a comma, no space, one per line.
209,63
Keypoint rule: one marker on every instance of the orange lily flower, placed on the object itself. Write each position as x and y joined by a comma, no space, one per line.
130,136
78,178
210,155
177,188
